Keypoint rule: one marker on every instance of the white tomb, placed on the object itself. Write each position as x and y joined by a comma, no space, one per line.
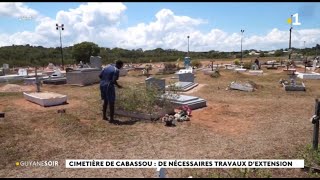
45,99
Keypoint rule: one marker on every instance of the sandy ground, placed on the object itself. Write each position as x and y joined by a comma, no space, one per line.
266,124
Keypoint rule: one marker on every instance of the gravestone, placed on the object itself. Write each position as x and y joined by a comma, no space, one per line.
95,62
159,84
314,65
83,76
6,69
186,77
22,72
57,74
187,61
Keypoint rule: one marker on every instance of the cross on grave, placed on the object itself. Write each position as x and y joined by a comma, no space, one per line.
293,77
37,80
315,121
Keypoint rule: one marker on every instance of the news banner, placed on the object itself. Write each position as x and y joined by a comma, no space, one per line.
262,163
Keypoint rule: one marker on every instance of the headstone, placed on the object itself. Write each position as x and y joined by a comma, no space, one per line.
160,84
314,65
186,77
22,72
95,62
187,61
57,73
83,76
6,69
5,66
51,66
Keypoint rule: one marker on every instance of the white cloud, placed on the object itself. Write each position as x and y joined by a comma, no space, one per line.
16,10
99,23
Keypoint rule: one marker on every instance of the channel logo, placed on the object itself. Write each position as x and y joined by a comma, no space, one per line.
37,163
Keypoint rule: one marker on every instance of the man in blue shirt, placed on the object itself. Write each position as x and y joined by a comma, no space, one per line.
108,78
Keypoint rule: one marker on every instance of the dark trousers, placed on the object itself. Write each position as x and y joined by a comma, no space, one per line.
105,107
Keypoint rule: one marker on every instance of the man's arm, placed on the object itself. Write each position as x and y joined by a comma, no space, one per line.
116,83
100,75
116,77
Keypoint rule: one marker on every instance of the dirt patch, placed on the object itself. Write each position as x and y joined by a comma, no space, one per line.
15,88
222,118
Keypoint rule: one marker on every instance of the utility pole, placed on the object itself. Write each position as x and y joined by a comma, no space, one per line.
241,44
61,27
290,40
188,45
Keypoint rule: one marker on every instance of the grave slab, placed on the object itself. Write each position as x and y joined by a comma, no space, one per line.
46,99
240,70
183,86
311,75
241,86
256,72
180,100
55,81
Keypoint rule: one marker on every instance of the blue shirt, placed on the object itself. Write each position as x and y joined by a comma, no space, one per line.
109,75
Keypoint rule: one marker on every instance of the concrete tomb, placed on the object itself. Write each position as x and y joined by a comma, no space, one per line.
241,69
292,85
181,100
175,99
55,81
45,99
83,76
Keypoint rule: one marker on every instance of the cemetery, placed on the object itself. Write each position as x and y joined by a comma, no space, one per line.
242,109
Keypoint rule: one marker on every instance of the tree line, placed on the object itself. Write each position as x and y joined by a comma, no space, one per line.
26,55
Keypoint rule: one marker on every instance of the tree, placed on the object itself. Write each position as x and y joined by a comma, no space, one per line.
278,53
83,51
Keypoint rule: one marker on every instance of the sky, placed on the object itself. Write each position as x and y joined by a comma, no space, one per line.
167,25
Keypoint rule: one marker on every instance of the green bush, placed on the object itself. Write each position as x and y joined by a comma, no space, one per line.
196,63
140,100
170,66
247,65
237,62
216,74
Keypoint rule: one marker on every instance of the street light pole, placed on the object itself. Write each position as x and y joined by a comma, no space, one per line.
188,45
290,39
241,43
61,27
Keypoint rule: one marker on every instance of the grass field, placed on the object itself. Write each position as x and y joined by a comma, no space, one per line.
269,123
